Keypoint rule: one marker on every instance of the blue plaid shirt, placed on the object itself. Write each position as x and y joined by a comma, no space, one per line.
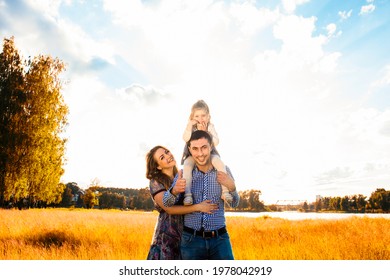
194,220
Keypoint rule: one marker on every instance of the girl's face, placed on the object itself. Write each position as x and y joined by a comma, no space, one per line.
164,159
201,116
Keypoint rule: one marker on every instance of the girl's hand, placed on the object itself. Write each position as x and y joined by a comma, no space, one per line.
202,126
207,207
226,180
192,122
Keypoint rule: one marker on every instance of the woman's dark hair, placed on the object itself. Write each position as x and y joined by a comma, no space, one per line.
153,173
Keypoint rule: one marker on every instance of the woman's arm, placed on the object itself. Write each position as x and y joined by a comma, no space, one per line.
205,206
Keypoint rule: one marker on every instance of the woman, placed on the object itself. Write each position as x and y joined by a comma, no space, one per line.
160,170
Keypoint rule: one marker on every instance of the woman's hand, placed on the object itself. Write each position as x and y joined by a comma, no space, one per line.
207,207
180,185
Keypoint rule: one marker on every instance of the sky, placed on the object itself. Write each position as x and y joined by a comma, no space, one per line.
298,90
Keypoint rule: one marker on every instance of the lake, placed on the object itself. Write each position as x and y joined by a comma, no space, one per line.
295,215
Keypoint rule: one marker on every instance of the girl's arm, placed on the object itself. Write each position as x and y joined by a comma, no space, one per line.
205,206
213,132
188,131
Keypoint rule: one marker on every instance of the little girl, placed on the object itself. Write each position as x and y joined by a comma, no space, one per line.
200,120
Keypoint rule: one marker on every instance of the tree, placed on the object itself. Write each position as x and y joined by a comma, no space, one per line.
33,115
91,198
361,203
344,203
380,200
12,98
335,203
244,200
318,205
254,200
67,198
305,206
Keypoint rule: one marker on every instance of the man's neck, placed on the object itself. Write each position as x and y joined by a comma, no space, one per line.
205,168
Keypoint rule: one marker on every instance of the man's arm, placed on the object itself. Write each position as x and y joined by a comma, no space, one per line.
228,181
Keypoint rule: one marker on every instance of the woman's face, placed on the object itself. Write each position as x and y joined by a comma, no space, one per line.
201,116
164,159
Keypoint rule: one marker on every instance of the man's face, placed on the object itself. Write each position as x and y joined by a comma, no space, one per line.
200,150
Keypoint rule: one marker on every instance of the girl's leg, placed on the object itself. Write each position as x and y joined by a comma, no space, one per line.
220,166
187,174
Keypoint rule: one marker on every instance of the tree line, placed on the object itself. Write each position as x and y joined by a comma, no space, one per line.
378,202
134,199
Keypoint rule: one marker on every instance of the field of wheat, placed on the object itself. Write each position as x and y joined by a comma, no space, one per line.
65,234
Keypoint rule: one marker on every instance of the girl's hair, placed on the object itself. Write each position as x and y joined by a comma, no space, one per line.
153,173
199,105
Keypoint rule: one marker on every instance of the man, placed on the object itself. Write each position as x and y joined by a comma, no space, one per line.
204,235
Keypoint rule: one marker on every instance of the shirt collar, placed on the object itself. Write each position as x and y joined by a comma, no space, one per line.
198,171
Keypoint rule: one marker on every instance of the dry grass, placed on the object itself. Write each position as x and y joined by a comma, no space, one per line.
62,234
74,234
280,239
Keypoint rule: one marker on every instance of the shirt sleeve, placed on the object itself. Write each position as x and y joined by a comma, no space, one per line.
187,132
235,195
155,187
169,199
214,134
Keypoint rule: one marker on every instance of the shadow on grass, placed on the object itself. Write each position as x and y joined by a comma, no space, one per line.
54,238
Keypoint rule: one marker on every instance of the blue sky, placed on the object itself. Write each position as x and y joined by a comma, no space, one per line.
299,90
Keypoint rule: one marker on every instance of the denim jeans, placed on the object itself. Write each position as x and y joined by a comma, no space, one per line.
198,248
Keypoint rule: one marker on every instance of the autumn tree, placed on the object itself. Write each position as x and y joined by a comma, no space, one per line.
380,199
12,98
250,200
33,116
91,198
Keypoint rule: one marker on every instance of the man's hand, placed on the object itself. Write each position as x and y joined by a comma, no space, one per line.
226,180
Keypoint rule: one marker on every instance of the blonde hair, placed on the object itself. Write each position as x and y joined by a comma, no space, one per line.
199,105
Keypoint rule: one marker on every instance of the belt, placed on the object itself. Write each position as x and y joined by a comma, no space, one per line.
204,233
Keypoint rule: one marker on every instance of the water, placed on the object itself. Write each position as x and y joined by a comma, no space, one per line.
294,215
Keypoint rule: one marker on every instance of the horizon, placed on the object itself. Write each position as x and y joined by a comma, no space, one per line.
298,90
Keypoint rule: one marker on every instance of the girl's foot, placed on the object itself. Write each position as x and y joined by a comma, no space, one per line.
227,197
188,199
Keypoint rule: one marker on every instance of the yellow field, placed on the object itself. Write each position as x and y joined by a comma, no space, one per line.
63,234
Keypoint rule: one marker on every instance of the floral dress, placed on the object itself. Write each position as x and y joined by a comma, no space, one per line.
167,234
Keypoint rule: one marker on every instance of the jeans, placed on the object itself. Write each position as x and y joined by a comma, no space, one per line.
198,248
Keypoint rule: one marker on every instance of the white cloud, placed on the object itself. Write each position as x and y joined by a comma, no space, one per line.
367,9
331,28
300,48
40,29
251,19
344,14
290,5
141,95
